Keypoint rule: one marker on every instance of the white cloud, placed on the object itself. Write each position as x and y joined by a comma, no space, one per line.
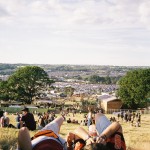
145,13
104,13
113,27
3,12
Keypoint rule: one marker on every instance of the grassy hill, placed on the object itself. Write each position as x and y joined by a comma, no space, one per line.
137,138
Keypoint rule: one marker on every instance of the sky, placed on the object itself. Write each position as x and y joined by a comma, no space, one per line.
85,32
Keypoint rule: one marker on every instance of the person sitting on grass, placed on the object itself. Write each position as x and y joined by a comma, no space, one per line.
27,120
69,120
40,121
46,139
4,121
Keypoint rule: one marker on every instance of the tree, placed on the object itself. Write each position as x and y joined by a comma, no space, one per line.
103,80
107,80
69,91
4,90
134,88
96,79
28,82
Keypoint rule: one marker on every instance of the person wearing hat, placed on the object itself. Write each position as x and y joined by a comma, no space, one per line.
27,120
47,138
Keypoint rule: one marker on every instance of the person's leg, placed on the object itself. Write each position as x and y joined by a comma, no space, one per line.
24,140
18,125
81,133
54,125
59,121
102,122
89,122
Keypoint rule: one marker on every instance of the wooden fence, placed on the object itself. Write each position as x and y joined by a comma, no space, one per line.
142,111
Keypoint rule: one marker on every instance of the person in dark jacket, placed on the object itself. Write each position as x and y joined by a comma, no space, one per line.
27,120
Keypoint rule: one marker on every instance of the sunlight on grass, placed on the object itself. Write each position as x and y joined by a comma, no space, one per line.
137,138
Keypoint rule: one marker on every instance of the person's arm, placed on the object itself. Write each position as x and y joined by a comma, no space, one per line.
74,142
71,137
111,129
21,123
2,121
79,133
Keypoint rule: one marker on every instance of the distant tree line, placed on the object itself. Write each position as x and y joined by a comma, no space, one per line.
6,66
103,80
30,82
7,69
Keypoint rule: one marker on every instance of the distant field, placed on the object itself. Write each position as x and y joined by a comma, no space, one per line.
137,138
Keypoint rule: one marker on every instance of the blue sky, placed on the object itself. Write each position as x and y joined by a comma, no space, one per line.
97,32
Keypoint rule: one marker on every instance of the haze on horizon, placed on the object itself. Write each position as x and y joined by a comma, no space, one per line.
97,32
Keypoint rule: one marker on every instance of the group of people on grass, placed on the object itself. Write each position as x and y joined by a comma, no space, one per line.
131,117
102,135
27,119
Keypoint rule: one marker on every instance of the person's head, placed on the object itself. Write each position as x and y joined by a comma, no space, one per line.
5,113
89,109
95,146
79,144
25,111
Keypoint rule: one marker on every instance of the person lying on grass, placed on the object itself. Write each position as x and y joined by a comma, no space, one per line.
110,138
46,139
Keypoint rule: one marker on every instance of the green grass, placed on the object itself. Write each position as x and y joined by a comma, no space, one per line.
14,110
137,138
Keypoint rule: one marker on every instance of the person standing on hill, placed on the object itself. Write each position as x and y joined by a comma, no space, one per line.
89,117
27,120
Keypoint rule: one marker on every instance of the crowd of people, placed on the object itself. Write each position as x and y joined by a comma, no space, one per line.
101,135
26,119
102,132
131,117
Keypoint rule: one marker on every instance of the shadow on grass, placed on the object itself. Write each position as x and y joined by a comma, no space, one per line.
5,145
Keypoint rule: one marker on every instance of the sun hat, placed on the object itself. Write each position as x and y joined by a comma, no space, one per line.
25,109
